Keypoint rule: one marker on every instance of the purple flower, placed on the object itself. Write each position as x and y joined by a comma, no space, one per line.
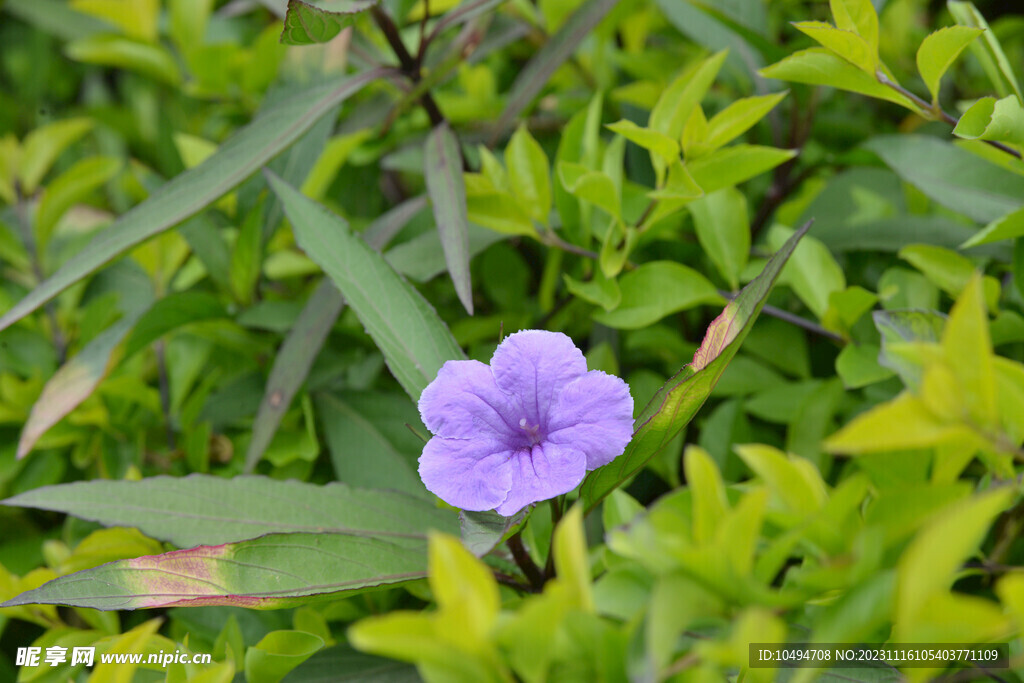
524,429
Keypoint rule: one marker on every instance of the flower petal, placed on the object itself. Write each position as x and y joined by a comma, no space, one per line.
595,415
471,474
544,472
535,365
463,402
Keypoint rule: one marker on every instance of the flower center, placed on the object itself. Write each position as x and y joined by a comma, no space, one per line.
533,432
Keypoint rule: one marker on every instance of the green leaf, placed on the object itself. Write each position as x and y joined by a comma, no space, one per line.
44,145
951,176
991,119
482,531
529,175
734,165
723,229
414,341
655,290
497,211
207,510
277,653
194,190
188,22
364,450
151,60
948,270
938,52
307,24
323,667
247,256
291,365
69,188
442,168
599,290
678,401
1009,226
422,258
818,66
268,572
812,272
653,141
845,44
857,365
858,16
680,188
678,100
559,47
595,187
989,52
170,313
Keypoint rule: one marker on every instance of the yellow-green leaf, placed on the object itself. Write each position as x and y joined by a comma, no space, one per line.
930,564
595,187
529,174
818,66
570,548
738,118
683,94
858,16
709,502
42,147
149,59
653,141
938,52
794,480
69,188
1008,227
845,44
900,424
969,352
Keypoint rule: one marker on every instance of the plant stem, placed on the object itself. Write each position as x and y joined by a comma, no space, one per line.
792,318
530,569
937,110
410,66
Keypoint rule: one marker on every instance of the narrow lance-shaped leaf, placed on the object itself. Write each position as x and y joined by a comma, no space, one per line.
678,401
201,509
414,340
194,190
268,572
72,384
559,48
307,336
443,171
292,364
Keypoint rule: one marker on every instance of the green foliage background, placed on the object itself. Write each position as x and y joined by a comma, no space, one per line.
237,239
